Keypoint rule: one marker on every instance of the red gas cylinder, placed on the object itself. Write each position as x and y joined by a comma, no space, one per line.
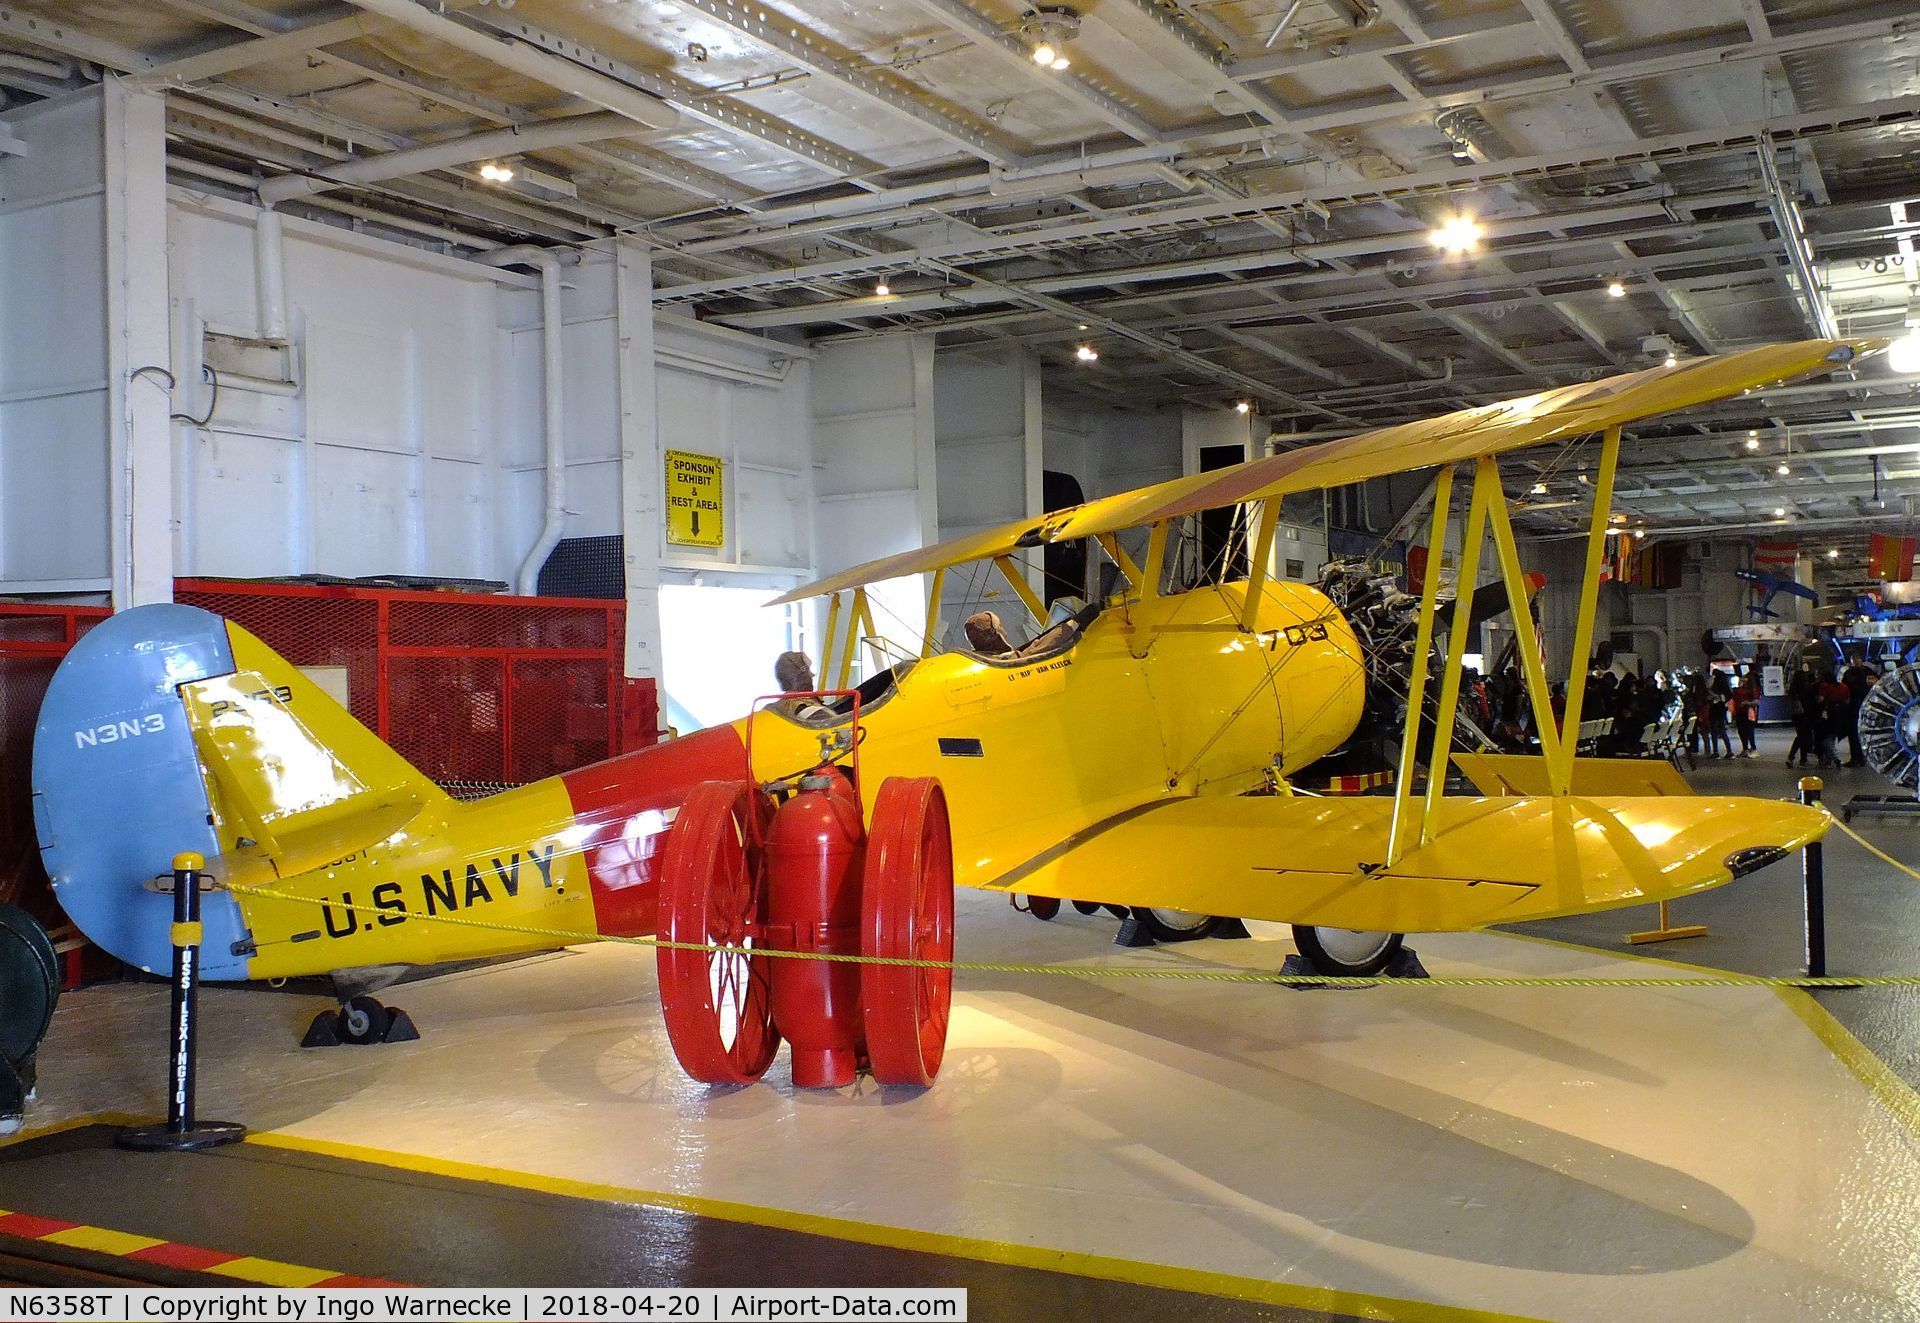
816,850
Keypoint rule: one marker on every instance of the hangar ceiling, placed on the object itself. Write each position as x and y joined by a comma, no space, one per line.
1225,199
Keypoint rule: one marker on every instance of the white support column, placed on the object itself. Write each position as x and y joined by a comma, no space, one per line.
139,439
641,511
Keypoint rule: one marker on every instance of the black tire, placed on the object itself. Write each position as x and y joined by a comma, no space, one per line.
27,995
1087,906
1043,907
29,928
364,1020
1174,925
1342,959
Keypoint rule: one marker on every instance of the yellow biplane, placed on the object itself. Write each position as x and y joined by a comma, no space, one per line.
1139,753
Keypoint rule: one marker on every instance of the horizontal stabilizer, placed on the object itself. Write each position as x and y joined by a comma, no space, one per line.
1503,860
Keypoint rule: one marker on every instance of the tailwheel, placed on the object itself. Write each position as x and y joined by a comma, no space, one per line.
713,892
364,1020
907,904
1347,952
1174,925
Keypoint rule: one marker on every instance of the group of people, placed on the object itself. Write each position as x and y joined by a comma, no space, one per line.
1825,709
1723,710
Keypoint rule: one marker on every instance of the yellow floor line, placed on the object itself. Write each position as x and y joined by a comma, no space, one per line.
1165,1276
102,1240
1895,1093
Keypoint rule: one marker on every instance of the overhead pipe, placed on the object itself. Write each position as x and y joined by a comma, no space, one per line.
554,519
565,132
530,62
1793,237
405,224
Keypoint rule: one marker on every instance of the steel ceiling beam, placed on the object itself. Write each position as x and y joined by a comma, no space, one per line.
969,22
811,52
233,56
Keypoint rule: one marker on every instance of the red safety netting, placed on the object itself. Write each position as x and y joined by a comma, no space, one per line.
479,692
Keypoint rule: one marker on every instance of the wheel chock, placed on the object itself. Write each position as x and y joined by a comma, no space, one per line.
1230,929
324,1031
401,1028
1132,933
1405,963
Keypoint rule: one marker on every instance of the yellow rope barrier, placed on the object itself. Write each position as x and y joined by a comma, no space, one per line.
1873,849
564,937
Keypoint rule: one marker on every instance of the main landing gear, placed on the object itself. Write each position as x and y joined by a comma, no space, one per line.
1140,925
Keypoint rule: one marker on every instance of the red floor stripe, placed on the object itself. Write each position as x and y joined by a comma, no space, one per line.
348,1279
190,1258
28,1227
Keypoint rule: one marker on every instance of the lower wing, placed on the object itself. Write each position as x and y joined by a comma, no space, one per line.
1504,860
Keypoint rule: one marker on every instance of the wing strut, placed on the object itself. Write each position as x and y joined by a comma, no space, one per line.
1486,494
1560,769
1397,844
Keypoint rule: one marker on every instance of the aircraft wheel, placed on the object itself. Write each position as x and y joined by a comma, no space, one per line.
1043,907
364,1020
907,913
29,984
1087,906
718,1005
1346,952
1174,925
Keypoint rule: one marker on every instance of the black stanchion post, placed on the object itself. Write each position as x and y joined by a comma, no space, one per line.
181,1130
1814,879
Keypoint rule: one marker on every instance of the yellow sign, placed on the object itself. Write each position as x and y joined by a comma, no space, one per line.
696,500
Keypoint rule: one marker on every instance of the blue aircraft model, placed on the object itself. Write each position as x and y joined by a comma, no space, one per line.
1775,584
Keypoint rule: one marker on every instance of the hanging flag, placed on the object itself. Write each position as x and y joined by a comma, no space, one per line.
1890,558
1775,557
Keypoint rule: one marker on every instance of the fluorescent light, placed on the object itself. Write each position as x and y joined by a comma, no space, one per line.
1539,489
495,173
1086,353
1244,406
1616,290
1044,55
1459,234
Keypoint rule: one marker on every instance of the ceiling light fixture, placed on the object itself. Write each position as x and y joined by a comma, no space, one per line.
1833,553
1785,468
1243,406
1780,512
1616,290
1049,28
1671,360
1086,353
495,173
1753,440
1639,532
1539,489
883,289
1458,234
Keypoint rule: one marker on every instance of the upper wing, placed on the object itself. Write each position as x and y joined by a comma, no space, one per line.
1487,430
1316,861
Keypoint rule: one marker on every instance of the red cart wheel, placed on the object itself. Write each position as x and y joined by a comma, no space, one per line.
907,913
713,890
